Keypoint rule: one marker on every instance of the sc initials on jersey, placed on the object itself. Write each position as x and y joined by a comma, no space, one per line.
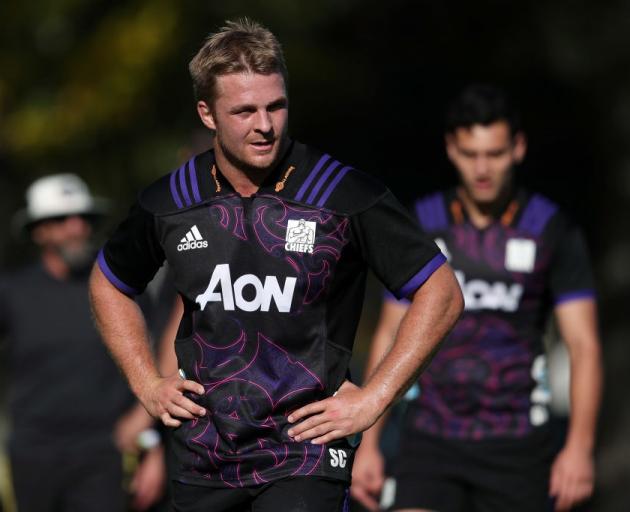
338,458
231,294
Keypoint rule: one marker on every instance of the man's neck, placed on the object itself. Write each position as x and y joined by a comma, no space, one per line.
54,265
481,215
246,181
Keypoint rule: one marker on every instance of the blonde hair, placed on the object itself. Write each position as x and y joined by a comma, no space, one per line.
241,46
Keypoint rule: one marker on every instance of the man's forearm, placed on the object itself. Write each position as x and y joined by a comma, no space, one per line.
435,308
122,326
577,321
392,314
586,389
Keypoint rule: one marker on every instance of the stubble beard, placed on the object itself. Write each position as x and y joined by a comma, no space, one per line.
254,172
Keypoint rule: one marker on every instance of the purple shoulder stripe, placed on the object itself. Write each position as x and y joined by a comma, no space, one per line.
423,274
321,181
333,185
192,173
576,295
174,192
431,212
311,177
182,184
536,215
111,277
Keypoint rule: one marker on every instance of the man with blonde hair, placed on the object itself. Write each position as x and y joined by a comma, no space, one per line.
262,410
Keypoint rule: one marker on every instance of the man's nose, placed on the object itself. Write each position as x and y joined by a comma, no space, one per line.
76,224
263,122
482,165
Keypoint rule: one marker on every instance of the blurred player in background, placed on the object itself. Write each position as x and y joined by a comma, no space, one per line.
477,437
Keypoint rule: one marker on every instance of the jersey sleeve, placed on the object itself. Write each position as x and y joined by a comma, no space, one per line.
395,248
133,254
571,275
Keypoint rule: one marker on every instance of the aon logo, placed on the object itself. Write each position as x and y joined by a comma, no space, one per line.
479,294
338,458
231,295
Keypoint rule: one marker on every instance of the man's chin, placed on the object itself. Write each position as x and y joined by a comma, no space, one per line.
77,258
253,163
263,161
485,197
260,164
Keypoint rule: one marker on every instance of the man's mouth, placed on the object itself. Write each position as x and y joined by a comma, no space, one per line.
483,184
263,144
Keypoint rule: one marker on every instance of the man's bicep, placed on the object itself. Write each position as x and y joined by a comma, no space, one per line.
105,297
571,276
438,303
577,321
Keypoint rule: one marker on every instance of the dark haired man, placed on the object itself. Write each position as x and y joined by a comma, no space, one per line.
476,438
262,411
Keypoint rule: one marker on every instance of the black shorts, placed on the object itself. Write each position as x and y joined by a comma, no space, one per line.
465,476
300,494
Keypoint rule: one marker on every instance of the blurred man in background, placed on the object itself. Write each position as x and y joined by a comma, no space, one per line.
477,436
262,405
71,411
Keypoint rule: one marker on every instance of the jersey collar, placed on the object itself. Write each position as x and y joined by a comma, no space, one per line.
279,179
506,217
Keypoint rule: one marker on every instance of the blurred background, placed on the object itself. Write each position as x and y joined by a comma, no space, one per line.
101,89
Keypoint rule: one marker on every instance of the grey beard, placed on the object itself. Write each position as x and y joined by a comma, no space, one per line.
78,259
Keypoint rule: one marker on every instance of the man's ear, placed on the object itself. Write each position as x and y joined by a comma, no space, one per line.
206,115
519,146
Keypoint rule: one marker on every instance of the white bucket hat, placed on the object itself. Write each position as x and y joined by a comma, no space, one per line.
57,195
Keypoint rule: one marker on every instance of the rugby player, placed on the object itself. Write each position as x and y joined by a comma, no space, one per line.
270,241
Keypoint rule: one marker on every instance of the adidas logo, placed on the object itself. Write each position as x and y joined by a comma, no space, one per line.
192,240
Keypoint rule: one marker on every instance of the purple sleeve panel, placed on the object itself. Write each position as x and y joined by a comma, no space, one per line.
576,295
418,280
390,297
112,278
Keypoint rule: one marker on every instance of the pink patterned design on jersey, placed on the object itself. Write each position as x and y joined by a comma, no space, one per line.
250,388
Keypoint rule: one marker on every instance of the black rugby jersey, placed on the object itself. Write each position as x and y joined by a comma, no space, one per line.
272,286
489,378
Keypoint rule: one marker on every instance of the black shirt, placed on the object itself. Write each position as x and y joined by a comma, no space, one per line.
63,383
